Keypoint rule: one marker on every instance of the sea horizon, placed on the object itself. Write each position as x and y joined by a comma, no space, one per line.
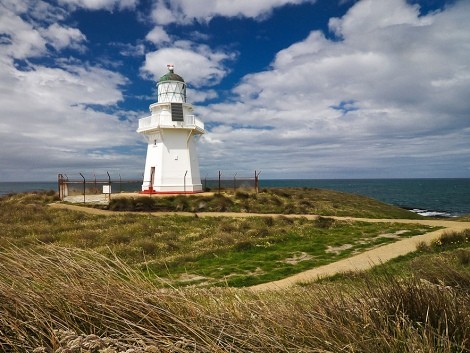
447,197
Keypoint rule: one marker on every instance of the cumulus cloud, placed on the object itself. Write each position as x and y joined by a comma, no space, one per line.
196,63
61,37
185,11
19,39
392,90
158,36
63,113
100,4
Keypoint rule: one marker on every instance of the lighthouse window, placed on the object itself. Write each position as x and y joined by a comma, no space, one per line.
177,112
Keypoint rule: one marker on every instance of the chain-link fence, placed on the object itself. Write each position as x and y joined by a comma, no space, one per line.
92,185
88,186
231,183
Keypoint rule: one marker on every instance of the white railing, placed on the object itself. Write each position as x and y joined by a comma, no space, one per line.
155,122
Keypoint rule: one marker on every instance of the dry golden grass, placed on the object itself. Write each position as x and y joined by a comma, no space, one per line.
69,300
56,298
276,200
195,250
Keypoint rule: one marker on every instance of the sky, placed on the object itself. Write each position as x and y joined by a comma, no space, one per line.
298,89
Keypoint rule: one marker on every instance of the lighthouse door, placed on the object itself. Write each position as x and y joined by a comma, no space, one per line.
152,177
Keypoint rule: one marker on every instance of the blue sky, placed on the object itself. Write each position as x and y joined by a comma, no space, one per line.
294,88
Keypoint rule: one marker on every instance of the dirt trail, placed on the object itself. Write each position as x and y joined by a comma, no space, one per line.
362,261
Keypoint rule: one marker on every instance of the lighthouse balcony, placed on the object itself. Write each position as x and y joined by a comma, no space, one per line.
155,122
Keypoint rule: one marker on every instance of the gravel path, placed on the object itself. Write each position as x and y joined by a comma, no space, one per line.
362,261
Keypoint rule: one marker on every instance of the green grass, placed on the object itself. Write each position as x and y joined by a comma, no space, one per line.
72,282
276,200
191,250
77,300
281,253
452,249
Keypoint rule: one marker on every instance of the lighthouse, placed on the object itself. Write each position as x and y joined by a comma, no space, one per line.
171,132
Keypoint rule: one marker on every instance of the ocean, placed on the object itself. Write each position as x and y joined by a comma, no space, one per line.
428,197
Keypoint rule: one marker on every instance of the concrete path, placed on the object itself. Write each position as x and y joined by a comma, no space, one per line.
362,261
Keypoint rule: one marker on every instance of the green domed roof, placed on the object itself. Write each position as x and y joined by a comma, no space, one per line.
171,76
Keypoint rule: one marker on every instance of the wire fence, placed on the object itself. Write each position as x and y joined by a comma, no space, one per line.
223,184
95,185
87,186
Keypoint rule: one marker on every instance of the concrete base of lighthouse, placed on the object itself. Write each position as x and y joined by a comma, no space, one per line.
173,189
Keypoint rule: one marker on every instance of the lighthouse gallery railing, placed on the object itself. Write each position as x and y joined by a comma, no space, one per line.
190,121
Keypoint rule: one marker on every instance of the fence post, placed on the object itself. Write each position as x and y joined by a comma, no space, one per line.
109,183
60,186
257,181
219,181
84,187
234,183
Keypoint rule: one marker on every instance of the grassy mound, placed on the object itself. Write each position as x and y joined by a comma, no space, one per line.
72,282
190,250
281,201
79,301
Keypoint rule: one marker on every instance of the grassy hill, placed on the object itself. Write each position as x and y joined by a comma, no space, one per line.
72,300
198,250
276,200
74,282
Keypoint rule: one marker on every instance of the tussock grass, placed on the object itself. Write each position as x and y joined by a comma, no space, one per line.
450,252
276,200
81,301
189,250
85,288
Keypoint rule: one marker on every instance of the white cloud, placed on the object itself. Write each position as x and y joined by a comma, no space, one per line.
185,11
158,36
20,39
100,4
197,64
47,119
370,15
61,37
58,116
393,91
35,10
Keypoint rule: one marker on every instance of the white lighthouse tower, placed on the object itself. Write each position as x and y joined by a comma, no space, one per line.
171,131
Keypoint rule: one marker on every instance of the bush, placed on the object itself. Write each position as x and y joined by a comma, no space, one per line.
463,257
324,222
423,247
121,204
220,203
120,238
46,238
148,246
240,195
144,204
243,245
455,238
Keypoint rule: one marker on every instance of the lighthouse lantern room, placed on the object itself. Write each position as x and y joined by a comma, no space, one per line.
171,131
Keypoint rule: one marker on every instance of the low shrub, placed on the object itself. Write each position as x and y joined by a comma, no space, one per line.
148,246
324,222
144,204
463,256
240,195
46,238
455,238
119,238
